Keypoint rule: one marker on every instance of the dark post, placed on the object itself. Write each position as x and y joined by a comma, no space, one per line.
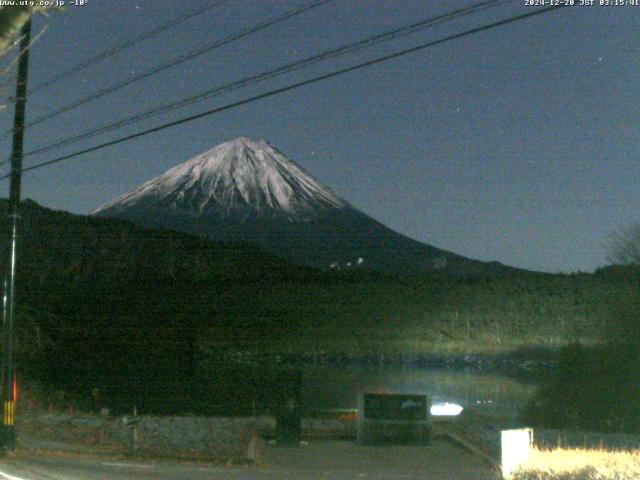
289,408
8,418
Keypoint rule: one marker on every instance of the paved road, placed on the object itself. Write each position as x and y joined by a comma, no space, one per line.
442,459
326,460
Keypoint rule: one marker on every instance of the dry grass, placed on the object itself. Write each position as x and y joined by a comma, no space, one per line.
567,464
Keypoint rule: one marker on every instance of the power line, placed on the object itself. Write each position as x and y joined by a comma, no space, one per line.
123,46
13,63
266,75
181,59
294,86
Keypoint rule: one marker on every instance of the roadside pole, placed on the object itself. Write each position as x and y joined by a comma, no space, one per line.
8,437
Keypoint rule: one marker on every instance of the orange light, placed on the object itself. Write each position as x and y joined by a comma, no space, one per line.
348,417
15,387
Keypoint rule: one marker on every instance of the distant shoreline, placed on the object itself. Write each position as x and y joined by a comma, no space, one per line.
525,359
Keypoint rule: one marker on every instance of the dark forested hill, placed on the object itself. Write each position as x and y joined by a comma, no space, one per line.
104,302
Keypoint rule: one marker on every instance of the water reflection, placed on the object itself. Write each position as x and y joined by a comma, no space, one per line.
338,387
253,389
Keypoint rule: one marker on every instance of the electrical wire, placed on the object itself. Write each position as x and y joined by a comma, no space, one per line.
181,59
123,46
6,70
294,86
267,75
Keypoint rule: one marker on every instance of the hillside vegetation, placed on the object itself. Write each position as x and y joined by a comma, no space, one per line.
104,301
566,464
361,313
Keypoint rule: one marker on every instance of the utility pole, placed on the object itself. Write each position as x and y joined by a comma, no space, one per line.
8,437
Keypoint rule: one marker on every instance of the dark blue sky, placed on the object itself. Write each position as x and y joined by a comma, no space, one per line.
520,144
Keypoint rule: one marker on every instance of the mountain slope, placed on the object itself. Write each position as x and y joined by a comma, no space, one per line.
246,190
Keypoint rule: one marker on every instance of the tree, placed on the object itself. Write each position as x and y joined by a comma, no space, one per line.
11,21
596,387
625,246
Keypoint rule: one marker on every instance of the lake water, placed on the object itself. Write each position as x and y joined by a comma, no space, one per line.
338,387
240,390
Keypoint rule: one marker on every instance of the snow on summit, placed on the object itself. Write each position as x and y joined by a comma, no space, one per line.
236,180
247,191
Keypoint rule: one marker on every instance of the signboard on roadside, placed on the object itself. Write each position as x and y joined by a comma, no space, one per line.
395,407
393,418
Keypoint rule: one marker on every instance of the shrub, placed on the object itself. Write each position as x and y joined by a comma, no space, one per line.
570,464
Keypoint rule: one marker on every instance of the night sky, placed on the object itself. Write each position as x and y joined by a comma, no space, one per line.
520,144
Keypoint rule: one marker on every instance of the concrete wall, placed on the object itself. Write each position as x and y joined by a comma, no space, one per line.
219,437
225,438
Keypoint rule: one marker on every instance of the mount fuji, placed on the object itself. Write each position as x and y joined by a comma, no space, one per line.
246,190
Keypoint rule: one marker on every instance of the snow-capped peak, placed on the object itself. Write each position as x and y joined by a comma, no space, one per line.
238,179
